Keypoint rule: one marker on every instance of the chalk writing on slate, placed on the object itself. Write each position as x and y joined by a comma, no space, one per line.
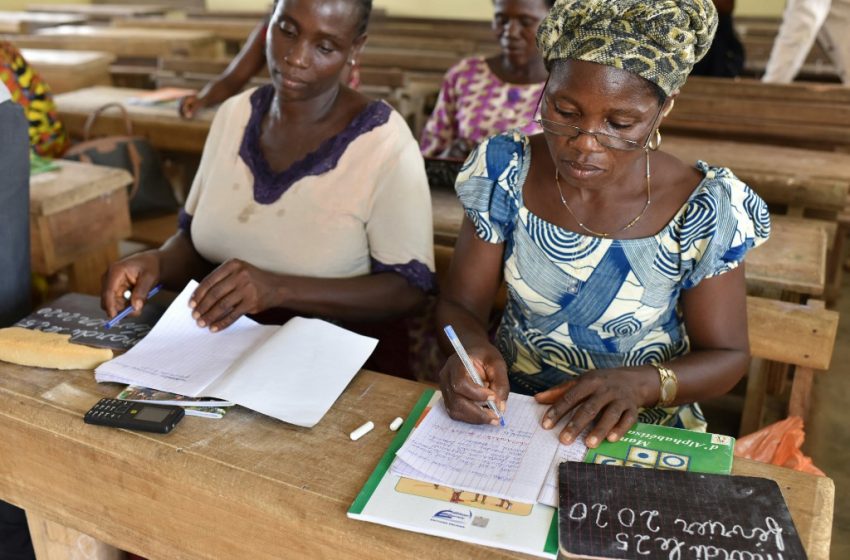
625,512
80,316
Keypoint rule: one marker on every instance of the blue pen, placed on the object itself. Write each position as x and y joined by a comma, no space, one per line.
114,321
470,368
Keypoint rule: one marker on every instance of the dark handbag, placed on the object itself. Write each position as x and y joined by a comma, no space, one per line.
151,192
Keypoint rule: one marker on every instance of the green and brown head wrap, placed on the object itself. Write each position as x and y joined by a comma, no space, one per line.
659,40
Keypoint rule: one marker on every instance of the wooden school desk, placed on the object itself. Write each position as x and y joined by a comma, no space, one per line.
161,124
125,42
102,12
245,486
22,23
232,30
77,216
71,70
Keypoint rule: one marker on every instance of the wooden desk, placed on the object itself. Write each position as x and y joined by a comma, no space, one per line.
103,12
246,486
22,23
126,42
228,29
162,126
77,216
780,175
71,70
793,261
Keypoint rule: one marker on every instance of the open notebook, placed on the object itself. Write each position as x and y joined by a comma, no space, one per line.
293,372
518,462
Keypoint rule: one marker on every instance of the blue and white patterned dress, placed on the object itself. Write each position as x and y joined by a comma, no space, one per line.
578,302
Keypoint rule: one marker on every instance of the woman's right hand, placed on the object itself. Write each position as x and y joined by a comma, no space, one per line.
463,397
190,105
138,273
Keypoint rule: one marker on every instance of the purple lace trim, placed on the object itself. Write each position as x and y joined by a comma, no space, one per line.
184,221
416,273
270,186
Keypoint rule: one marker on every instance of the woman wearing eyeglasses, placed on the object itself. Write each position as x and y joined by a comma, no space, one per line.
624,266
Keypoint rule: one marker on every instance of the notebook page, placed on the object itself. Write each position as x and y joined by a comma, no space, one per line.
178,356
508,462
298,372
572,452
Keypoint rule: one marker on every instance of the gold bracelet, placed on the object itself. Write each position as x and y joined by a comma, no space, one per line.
669,385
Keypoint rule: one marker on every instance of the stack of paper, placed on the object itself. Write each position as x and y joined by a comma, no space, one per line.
518,462
293,373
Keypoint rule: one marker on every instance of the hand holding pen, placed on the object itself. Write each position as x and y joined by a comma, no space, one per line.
129,309
465,387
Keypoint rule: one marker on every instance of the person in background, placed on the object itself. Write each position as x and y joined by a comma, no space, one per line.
483,96
250,60
626,297
310,199
725,58
802,23
14,275
46,132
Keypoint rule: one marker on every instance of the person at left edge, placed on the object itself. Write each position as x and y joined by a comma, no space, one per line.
309,199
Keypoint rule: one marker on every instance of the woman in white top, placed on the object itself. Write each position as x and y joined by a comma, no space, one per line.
310,197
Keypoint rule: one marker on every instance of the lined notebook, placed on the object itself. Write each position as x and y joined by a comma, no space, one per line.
517,462
292,372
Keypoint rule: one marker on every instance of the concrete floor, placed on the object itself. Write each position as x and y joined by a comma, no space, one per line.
827,432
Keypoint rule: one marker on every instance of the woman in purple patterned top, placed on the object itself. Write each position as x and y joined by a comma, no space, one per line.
484,96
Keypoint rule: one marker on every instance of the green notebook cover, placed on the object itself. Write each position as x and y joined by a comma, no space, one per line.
661,447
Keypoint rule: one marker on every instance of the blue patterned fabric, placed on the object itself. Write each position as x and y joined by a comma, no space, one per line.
578,302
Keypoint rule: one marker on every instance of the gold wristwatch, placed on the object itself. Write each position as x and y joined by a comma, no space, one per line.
669,385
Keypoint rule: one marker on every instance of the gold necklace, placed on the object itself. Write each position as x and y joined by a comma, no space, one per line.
622,229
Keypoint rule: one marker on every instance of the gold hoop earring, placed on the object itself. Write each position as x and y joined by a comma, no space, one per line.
655,143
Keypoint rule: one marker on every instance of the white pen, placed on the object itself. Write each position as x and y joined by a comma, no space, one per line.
470,368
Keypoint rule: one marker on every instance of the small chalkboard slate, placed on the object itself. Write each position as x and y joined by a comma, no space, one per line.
624,512
80,316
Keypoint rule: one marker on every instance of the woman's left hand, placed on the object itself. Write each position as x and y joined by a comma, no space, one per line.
611,397
230,291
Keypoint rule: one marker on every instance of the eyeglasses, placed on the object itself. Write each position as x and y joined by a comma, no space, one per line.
571,132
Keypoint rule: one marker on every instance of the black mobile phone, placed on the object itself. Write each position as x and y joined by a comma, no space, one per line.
133,415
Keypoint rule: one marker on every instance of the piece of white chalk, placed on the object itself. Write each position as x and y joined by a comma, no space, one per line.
362,431
396,424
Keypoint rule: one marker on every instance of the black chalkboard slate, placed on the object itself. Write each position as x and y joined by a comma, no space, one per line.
620,512
80,316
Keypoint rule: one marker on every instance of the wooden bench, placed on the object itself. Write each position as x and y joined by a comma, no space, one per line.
23,23
103,12
758,35
78,214
802,115
125,42
799,114
799,336
71,70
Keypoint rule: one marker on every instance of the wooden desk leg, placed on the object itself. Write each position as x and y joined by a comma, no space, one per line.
751,416
52,541
801,391
86,272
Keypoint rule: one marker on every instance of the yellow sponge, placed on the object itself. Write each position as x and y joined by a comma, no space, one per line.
27,347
